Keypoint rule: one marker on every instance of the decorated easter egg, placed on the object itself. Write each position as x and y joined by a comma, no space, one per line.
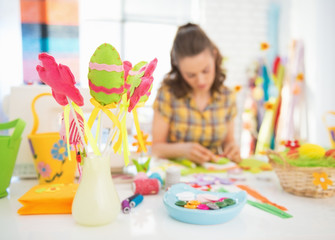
330,153
145,97
134,77
311,150
106,75
143,87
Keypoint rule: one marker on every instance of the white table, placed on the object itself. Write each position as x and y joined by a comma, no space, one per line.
312,219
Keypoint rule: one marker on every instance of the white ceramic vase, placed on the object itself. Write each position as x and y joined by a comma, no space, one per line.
96,201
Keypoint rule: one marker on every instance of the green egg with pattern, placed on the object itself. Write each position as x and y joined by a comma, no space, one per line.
106,75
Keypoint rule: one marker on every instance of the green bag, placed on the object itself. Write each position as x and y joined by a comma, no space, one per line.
9,147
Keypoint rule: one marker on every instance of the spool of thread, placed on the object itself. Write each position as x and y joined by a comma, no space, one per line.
157,176
137,200
147,186
172,177
132,197
125,206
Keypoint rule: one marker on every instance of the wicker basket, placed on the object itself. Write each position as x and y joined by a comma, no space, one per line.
299,180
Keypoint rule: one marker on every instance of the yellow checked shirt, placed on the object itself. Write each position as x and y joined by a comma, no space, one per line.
188,124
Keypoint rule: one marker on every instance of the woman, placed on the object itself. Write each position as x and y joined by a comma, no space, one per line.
194,111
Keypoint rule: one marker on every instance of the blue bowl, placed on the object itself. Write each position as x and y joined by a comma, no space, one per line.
202,217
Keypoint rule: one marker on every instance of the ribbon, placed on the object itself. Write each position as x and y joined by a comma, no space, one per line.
67,129
87,130
138,130
123,110
97,108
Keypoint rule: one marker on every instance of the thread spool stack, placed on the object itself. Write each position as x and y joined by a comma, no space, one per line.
172,177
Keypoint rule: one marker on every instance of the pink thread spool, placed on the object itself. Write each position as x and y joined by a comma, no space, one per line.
147,186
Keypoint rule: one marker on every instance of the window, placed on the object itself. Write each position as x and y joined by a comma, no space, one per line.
140,30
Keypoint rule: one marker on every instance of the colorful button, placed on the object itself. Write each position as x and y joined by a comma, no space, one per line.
190,206
221,204
203,207
185,196
194,202
207,198
212,206
229,201
181,203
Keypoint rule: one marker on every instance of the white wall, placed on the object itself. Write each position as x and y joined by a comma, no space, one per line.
314,22
11,72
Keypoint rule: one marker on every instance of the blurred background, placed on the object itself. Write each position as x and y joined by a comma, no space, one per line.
300,34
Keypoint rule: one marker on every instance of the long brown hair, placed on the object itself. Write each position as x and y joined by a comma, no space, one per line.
189,41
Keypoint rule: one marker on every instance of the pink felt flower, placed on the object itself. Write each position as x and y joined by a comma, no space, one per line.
44,169
144,86
127,67
60,79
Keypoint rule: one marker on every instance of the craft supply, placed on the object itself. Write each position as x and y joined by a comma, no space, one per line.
270,209
204,205
132,197
74,135
219,166
172,176
157,176
258,196
202,214
207,198
212,206
185,196
107,82
265,207
135,201
146,186
186,163
106,75
144,86
125,206
48,199
60,78
221,204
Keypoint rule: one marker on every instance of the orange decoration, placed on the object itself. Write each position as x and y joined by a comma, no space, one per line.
137,143
300,77
268,106
296,89
322,179
237,88
264,46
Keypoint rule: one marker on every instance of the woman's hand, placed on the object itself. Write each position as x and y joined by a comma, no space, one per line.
232,151
197,153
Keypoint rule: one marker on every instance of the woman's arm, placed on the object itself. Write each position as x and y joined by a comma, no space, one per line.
162,149
230,149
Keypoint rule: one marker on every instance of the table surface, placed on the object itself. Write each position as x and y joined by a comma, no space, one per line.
312,218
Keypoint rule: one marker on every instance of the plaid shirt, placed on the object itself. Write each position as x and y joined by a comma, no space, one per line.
188,124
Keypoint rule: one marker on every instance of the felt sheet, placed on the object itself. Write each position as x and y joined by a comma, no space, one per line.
48,199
